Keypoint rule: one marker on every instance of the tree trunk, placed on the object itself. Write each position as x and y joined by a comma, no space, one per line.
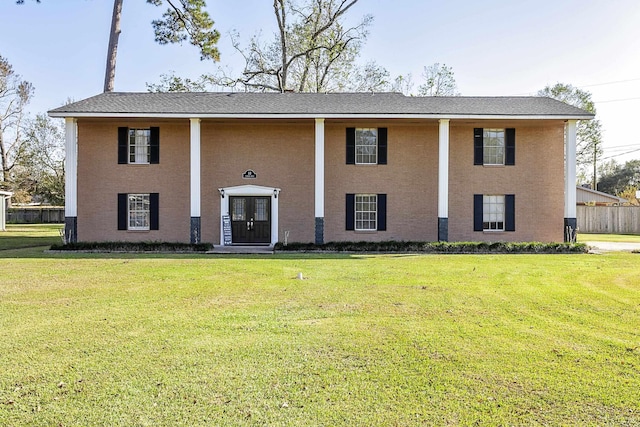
110,72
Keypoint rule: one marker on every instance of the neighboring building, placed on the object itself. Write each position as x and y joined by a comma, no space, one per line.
4,198
318,167
587,196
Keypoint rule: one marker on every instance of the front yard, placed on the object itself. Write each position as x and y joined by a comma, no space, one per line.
170,340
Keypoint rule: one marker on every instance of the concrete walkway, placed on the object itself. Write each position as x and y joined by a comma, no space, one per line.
613,246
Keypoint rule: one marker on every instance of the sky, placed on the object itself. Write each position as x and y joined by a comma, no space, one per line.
495,48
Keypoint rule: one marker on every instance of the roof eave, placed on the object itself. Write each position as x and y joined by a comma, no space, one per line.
65,114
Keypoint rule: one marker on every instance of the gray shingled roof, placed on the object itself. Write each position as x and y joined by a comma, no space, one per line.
226,104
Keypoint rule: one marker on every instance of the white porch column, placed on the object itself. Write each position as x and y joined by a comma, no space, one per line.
319,181
443,181
570,221
71,180
194,144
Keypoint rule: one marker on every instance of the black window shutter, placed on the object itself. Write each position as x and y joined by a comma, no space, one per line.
477,212
154,145
351,146
510,142
478,149
350,210
154,211
382,146
510,212
382,212
123,145
122,211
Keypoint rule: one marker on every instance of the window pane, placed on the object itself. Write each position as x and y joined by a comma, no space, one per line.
238,210
366,146
261,209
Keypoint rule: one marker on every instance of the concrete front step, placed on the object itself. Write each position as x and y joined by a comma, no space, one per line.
219,249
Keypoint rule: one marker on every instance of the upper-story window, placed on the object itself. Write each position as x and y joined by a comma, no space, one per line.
138,146
366,146
139,140
494,146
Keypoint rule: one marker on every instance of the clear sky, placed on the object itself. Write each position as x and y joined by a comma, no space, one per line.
495,47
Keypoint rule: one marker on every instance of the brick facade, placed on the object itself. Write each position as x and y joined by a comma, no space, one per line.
281,152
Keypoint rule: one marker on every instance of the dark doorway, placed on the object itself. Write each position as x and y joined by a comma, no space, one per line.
250,220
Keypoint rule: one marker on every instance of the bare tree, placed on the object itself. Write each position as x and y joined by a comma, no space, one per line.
15,94
439,81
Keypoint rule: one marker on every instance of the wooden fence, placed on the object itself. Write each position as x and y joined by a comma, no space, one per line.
35,215
609,219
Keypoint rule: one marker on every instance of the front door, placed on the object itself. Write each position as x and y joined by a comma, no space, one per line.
250,220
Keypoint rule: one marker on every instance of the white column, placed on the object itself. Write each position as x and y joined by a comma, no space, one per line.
443,180
570,170
319,165
195,167
71,168
319,182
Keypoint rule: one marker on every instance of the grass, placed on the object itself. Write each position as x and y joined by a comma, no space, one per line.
593,237
171,340
20,236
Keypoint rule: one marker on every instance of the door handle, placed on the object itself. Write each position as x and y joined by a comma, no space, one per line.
250,225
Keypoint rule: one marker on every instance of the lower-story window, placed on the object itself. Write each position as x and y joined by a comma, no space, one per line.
494,212
138,211
366,212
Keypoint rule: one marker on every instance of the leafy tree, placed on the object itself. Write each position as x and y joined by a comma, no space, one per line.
439,81
15,94
589,132
620,178
40,171
183,20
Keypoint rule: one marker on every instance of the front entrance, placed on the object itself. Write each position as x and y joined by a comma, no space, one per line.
250,219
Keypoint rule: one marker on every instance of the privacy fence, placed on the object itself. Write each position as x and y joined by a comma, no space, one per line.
609,219
35,215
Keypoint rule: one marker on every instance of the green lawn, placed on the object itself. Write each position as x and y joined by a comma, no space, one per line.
594,237
133,340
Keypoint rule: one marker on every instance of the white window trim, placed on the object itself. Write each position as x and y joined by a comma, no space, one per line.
375,162
504,145
134,228
355,214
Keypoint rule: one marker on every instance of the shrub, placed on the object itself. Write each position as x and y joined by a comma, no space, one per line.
133,247
436,247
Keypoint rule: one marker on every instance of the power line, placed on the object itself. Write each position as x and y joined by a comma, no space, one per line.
610,83
616,100
621,154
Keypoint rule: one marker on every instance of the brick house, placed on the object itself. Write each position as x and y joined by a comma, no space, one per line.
256,168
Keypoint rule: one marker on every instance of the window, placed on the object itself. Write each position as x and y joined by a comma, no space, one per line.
138,146
494,212
494,146
366,212
138,211
366,146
